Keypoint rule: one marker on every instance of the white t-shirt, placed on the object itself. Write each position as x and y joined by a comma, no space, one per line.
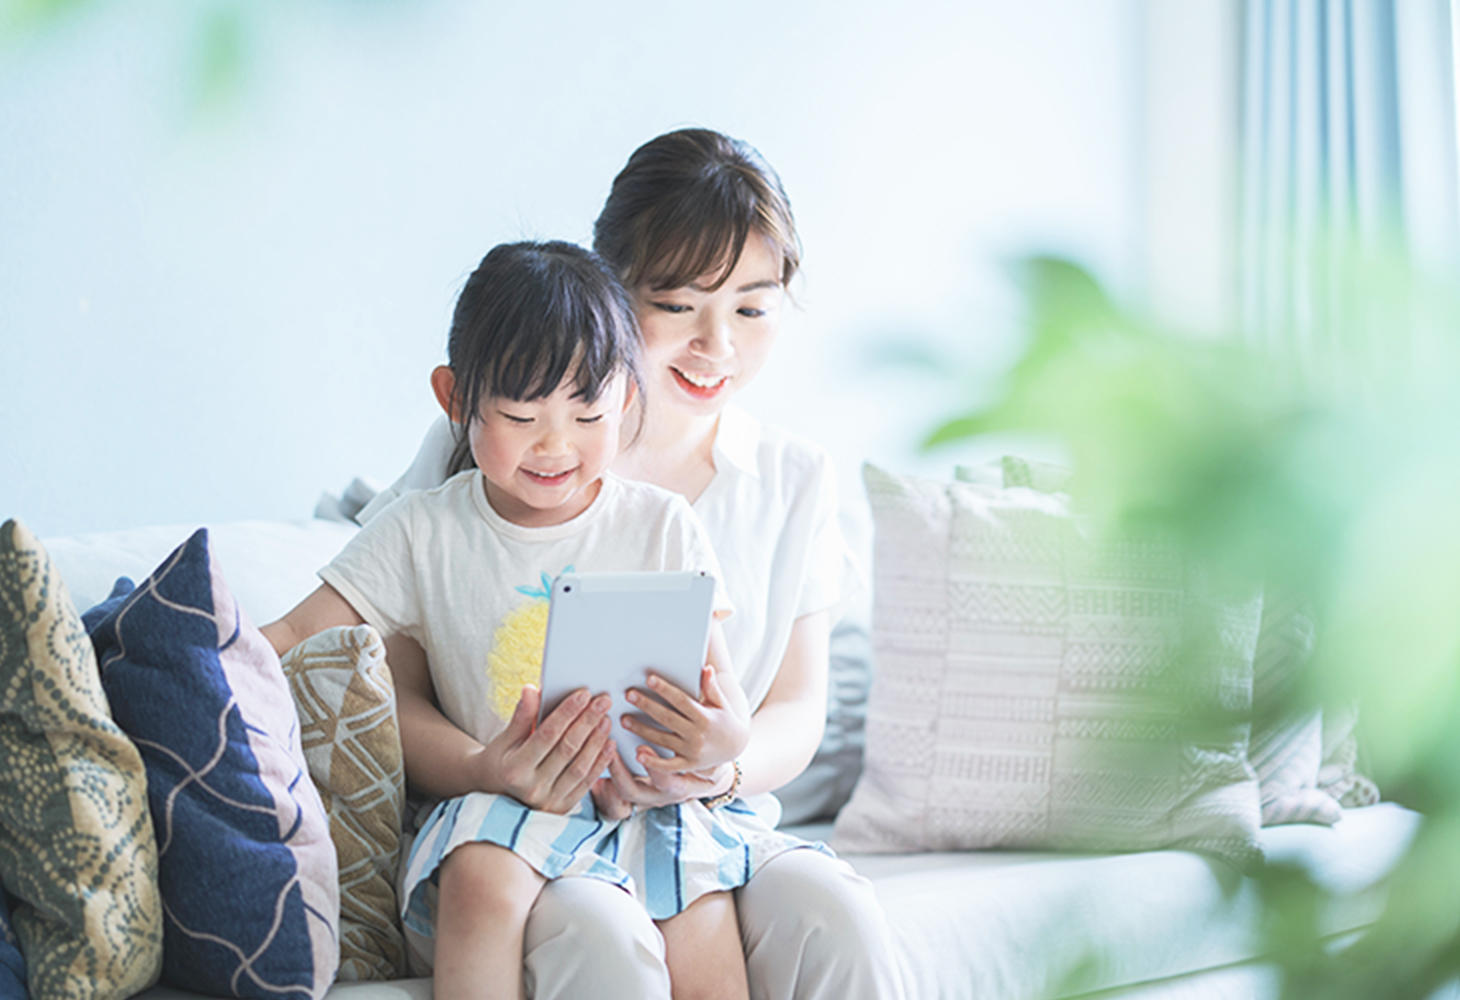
443,567
771,513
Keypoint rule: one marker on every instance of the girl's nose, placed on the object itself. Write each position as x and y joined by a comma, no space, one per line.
551,442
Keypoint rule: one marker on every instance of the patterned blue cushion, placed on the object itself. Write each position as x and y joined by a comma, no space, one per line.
246,865
12,964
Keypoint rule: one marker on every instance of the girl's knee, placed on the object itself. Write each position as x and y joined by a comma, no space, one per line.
488,878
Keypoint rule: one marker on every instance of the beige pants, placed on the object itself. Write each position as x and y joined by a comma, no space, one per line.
811,927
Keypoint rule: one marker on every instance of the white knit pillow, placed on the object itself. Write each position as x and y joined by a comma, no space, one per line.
1028,690
1287,738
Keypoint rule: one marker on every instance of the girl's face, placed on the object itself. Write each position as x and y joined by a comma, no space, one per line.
702,346
542,460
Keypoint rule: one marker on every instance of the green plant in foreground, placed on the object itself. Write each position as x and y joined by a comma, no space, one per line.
1341,491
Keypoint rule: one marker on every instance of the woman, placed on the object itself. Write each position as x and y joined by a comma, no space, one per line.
700,231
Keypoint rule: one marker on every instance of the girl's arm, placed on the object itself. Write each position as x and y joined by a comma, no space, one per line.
549,766
322,609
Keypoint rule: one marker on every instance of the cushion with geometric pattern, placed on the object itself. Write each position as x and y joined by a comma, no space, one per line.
246,866
77,852
346,701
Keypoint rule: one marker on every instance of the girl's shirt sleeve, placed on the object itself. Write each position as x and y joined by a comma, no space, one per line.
375,573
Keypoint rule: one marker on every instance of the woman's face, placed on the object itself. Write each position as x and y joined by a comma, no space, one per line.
702,346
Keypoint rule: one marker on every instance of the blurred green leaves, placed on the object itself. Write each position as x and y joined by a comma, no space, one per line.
1333,476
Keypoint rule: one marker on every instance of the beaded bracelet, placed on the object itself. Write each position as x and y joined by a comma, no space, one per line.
729,794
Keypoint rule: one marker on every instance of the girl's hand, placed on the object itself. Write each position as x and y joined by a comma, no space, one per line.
622,791
699,734
549,767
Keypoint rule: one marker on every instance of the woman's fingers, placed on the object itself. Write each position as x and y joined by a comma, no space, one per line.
670,741
655,764
679,699
710,690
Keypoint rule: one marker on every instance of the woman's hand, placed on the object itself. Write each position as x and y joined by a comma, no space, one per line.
618,795
699,734
552,766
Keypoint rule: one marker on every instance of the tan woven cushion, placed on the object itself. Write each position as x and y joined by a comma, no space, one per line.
346,701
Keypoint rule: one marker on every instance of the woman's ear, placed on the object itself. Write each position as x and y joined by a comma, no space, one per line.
443,383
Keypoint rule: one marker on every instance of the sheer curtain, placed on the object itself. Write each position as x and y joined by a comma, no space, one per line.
1347,178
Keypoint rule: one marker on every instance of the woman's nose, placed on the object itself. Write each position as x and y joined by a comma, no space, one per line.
713,340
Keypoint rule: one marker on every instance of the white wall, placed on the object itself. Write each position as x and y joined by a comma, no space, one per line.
214,311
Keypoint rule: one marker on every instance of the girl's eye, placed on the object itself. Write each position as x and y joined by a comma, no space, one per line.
516,419
671,307
751,312
590,420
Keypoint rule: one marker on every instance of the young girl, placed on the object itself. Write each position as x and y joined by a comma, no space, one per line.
543,365
699,228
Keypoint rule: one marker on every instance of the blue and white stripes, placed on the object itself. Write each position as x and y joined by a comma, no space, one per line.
666,857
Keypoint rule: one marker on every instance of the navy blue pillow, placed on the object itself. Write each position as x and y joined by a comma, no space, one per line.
12,963
246,866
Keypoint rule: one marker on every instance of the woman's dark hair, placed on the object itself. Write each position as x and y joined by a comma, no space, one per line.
530,315
683,207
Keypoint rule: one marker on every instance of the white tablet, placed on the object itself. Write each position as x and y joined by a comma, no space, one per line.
605,631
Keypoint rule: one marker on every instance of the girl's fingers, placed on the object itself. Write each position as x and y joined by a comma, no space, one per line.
584,770
566,728
519,727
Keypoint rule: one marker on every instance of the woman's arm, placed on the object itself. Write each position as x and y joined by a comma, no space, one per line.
786,730
784,734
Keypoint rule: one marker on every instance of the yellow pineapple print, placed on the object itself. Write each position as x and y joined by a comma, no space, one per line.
516,655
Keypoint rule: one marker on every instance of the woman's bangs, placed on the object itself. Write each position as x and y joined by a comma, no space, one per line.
680,251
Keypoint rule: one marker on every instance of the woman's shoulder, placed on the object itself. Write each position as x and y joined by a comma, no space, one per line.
640,498
769,451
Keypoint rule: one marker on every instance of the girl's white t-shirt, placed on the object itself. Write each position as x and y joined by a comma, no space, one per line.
443,567
771,513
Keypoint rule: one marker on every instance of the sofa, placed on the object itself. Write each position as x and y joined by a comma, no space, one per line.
1031,913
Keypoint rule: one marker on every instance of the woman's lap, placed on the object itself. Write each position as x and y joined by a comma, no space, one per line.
811,927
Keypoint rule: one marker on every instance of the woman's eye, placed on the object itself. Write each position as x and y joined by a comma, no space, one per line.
671,307
590,420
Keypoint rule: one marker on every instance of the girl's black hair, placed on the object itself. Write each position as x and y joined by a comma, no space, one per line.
530,315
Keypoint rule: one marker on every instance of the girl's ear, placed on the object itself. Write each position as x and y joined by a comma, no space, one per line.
443,383
631,391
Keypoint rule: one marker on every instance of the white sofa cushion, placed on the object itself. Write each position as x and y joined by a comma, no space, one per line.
1036,687
1040,924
